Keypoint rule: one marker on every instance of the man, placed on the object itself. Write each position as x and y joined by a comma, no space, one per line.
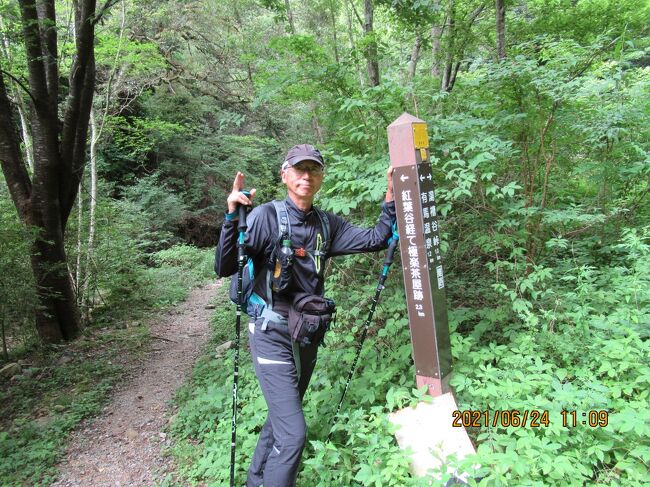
283,368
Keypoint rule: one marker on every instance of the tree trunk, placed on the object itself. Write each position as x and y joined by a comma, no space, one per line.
5,353
456,47
94,138
292,28
249,69
415,54
27,136
371,49
20,105
80,220
45,203
57,316
318,130
96,129
348,7
445,84
501,28
452,77
334,39
436,35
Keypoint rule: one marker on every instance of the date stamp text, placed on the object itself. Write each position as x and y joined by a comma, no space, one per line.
526,418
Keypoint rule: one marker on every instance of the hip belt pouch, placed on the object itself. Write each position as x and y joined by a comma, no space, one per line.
309,318
248,279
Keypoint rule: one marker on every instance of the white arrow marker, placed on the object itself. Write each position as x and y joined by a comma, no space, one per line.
421,178
403,177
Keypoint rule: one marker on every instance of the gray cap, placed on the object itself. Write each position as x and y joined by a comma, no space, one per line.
302,152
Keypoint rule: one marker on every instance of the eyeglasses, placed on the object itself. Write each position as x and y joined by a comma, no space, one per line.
313,169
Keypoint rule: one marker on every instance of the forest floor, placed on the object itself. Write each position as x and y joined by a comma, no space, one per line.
124,445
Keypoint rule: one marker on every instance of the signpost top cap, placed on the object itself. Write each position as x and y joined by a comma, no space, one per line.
406,136
405,119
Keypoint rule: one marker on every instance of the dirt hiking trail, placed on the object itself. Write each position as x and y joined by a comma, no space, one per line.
122,447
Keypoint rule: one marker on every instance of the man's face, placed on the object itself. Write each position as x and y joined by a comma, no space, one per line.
304,179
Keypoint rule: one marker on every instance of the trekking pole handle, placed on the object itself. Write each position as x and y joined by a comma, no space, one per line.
390,254
243,210
392,245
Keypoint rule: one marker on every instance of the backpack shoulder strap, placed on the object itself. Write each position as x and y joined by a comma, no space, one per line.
284,226
284,229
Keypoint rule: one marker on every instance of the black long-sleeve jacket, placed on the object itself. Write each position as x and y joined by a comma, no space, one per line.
262,237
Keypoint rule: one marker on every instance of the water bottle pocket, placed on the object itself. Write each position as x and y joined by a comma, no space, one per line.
283,268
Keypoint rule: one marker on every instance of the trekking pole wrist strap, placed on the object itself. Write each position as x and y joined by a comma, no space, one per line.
231,217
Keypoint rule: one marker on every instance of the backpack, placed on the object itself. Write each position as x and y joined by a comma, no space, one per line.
284,232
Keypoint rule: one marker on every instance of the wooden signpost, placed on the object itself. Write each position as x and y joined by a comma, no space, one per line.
417,222
427,429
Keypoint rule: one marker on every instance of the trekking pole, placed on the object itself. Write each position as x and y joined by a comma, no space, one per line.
241,262
392,245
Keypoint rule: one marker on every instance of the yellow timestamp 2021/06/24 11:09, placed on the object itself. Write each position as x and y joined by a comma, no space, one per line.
527,418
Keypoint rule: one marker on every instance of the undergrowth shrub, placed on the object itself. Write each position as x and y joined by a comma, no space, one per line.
177,269
17,293
590,354
129,277
199,263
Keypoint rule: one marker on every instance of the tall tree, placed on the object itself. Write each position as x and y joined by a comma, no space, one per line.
371,46
501,28
44,203
349,9
333,14
436,35
458,32
292,27
449,73
415,55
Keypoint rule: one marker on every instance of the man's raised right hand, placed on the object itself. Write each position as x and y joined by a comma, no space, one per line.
237,198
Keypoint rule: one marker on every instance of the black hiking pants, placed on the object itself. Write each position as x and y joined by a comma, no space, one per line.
283,372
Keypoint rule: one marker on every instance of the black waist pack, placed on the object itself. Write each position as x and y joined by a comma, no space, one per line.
310,317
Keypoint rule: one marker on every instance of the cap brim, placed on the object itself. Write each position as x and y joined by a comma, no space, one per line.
298,159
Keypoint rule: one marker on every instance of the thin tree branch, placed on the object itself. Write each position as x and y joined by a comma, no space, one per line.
107,5
592,58
356,14
474,15
111,77
69,27
19,83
